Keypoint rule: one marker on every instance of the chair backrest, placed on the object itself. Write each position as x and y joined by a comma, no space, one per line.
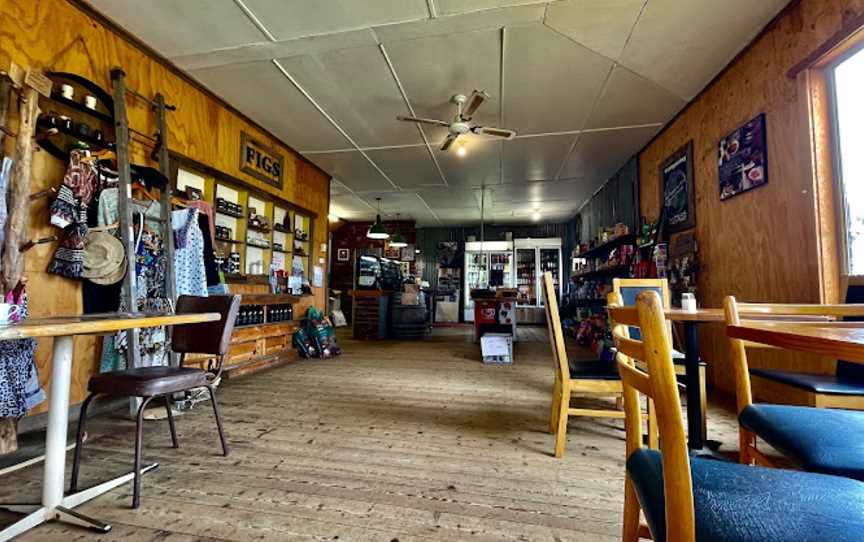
734,311
660,385
208,337
553,323
629,289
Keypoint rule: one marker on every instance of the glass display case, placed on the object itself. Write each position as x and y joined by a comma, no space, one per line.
533,258
487,265
526,276
550,260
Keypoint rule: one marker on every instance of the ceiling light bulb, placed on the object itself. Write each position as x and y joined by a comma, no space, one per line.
536,216
462,151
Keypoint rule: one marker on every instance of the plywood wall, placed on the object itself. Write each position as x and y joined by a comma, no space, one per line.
55,35
762,245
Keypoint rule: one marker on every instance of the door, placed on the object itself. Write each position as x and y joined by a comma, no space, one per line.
526,276
476,276
550,260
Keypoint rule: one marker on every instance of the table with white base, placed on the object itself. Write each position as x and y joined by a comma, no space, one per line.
55,505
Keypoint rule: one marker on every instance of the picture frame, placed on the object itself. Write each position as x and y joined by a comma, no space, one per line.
677,190
343,254
743,158
408,254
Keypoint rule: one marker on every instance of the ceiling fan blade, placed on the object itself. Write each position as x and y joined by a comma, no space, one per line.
423,121
474,101
494,132
449,141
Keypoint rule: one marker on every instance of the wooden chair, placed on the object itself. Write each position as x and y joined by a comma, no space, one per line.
628,289
210,338
595,378
688,498
816,439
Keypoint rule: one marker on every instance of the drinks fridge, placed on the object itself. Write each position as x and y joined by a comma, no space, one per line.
534,257
487,265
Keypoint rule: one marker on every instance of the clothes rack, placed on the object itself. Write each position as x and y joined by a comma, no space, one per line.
126,204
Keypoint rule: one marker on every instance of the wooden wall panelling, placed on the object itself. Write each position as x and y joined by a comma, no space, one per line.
762,245
56,35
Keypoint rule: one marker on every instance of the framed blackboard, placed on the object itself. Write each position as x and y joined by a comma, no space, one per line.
677,192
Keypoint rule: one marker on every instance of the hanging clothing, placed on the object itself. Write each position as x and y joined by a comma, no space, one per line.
5,173
210,268
19,379
69,211
206,209
190,276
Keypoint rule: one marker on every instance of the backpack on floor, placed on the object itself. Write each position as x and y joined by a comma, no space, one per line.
304,345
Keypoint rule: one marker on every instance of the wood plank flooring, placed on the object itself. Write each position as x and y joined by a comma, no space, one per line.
392,441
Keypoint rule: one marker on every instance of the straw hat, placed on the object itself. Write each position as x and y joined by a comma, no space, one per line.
104,258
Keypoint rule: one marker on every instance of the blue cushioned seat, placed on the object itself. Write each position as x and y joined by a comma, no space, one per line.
839,384
817,439
740,503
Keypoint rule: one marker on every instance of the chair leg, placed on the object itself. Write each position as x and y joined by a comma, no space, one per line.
556,402
653,428
746,439
139,439
218,421
631,513
703,395
79,442
174,442
563,411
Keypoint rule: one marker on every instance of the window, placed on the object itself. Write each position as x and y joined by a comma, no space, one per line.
848,90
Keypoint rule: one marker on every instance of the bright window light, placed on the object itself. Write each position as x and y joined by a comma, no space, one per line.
849,88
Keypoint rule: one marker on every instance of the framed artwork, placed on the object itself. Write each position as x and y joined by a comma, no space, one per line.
392,253
743,159
343,254
677,190
408,254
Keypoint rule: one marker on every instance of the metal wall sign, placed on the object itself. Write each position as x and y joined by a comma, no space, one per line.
261,161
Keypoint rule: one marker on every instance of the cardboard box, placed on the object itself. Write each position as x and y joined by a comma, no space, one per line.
497,348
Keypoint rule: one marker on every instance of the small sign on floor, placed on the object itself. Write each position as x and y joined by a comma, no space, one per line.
497,348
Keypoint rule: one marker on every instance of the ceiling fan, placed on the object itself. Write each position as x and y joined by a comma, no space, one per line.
461,121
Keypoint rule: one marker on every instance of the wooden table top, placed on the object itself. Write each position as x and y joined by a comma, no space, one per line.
844,340
91,324
707,315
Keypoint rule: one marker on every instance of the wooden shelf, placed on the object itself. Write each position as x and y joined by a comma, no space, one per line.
605,248
232,215
232,241
605,272
269,299
81,108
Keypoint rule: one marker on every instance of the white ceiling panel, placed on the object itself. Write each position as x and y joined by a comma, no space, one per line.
458,215
290,116
683,45
598,155
629,99
600,26
469,22
480,166
431,73
455,7
534,158
407,204
555,94
539,192
352,169
279,49
350,207
287,19
408,167
451,198
368,112
179,28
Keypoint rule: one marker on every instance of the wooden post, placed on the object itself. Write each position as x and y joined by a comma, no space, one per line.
19,191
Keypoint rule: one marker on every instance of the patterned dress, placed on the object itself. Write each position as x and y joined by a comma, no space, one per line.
189,273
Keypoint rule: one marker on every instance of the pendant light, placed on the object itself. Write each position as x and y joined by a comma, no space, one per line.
377,230
398,239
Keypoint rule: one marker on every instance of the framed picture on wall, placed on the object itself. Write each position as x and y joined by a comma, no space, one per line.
343,254
408,254
743,159
677,190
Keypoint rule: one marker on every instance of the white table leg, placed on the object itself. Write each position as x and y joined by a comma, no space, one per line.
58,421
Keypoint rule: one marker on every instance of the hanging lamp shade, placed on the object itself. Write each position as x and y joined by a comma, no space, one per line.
398,240
377,230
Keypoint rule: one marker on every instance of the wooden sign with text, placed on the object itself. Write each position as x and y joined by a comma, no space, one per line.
262,162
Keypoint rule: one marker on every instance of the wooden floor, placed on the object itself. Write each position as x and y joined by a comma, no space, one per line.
392,441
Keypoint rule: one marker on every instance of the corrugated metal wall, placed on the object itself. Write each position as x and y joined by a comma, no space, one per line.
617,201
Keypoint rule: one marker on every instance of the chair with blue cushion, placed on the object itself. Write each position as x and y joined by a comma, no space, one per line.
824,440
595,378
689,499
628,289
